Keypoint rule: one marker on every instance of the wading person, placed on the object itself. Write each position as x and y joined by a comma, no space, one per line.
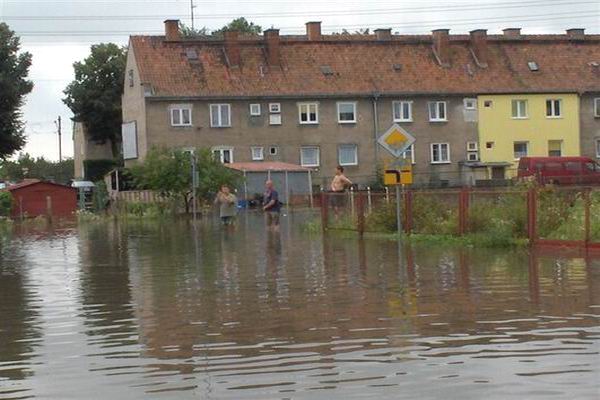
339,184
271,206
227,205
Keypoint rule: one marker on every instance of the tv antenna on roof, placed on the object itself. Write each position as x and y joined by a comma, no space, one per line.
192,6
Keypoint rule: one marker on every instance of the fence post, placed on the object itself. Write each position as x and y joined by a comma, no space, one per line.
587,217
352,201
387,195
49,208
463,209
324,211
369,200
361,213
408,210
532,215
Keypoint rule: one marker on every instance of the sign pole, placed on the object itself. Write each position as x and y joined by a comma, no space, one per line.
398,209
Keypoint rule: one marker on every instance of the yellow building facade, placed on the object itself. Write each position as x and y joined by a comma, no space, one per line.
536,125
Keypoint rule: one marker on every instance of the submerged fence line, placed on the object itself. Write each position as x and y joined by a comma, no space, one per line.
562,216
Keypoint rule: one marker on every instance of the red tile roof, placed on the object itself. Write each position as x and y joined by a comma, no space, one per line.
265,166
361,65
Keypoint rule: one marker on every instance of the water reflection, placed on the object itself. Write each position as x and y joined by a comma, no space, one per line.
185,310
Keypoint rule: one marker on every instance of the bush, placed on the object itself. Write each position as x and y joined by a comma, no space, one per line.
6,202
503,216
149,210
95,170
434,216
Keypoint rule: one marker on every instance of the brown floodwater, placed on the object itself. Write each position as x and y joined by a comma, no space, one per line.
175,310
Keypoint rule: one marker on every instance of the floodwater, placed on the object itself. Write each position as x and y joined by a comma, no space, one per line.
177,311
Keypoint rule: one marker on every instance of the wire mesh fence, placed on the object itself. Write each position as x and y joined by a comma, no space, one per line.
544,215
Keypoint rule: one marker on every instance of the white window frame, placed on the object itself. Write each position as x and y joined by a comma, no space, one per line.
411,148
472,146
353,104
553,114
275,119
471,100
597,147
355,146
273,153
400,104
261,153
562,145
433,145
274,108
472,154
436,117
255,110
526,148
308,105
596,106
220,123
318,163
517,102
221,150
179,109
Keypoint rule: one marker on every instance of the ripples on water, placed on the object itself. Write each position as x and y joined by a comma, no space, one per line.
110,311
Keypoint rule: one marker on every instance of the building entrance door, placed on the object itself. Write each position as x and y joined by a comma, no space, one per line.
497,173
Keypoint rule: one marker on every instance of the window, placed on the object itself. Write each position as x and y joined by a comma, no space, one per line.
130,76
181,115
519,109
533,66
309,156
220,115
573,166
597,107
597,148
440,153
520,149
409,154
472,146
488,103
255,110
274,108
308,113
223,154
346,113
273,150
590,166
470,104
258,153
437,111
348,154
274,119
402,111
473,156
555,148
489,145
553,108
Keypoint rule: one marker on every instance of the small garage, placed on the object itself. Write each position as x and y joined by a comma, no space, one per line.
33,198
293,182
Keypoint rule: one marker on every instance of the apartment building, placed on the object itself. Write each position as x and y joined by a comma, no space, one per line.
322,100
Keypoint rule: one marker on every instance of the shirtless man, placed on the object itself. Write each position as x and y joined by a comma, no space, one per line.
338,186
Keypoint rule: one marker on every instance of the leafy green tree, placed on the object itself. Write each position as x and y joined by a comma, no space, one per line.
37,168
169,172
94,96
241,25
6,202
188,32
14,86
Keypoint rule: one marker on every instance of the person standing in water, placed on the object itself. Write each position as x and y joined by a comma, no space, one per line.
271,206
339,183
227,203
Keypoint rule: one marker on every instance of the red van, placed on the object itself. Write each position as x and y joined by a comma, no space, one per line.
560,170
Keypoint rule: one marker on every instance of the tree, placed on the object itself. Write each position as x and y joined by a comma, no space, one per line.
169,172
94,96
242,26
14,86
189,32
37,168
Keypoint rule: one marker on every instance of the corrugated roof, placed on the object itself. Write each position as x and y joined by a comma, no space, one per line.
30,182
265,166
362,66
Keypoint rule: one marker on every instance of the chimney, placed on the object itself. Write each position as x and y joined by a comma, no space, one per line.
272,40
512,32
576,33
232,48
479,47
383,34
313,30
441,46
172,30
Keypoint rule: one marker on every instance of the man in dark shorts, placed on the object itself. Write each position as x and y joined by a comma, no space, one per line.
338,187
271,206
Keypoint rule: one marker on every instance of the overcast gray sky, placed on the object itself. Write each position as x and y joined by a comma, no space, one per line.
59,32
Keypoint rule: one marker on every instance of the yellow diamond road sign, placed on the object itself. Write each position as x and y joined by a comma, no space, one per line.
396,140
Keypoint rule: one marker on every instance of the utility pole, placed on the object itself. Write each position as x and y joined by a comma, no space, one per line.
192,6
58,125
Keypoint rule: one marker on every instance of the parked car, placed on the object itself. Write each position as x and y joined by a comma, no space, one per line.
560,170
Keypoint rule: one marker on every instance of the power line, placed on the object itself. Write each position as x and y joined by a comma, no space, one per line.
445,22
356,12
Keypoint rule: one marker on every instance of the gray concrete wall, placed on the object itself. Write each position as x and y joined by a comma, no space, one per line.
134,105
85,149
590,125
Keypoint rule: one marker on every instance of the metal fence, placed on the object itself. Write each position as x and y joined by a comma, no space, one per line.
557,216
